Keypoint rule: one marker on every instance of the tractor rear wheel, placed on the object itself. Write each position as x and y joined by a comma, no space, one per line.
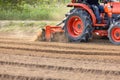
78,26
114,33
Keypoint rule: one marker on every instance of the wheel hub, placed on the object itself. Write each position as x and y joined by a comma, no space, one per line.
116,34
79,26
75,26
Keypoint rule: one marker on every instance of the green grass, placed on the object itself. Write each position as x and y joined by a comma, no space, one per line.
38,12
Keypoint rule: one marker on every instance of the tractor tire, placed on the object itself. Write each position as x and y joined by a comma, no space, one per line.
78,26
114,33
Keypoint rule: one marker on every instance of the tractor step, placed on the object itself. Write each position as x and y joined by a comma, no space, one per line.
101,33
100,25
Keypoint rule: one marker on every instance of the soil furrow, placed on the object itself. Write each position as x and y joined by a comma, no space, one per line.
60,68
13,77
61,62
6,53
41,44
61,51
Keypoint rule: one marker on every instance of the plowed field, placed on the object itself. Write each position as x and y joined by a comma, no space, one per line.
23,59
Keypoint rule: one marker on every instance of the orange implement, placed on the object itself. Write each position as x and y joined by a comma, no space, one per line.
50,30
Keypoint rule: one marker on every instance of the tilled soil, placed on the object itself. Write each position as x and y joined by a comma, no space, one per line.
23,59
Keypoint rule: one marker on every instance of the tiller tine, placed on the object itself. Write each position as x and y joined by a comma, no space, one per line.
49,31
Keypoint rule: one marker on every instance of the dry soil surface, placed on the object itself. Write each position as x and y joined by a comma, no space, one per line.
23,59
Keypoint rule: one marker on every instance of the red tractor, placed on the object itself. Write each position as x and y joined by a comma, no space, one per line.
81,23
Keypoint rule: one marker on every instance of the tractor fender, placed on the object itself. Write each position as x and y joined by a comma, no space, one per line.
85,7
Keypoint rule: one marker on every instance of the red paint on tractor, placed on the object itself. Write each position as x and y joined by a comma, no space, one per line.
51,30
116,34
101,33
85,7
75,26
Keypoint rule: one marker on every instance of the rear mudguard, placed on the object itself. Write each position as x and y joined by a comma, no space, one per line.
85,7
